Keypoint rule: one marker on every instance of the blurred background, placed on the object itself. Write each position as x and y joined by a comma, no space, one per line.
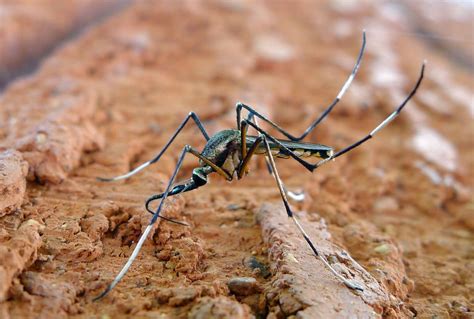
94,88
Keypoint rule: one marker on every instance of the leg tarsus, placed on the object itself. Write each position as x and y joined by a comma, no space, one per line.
297,197
384,123
325,113
191,115
349,283
148,229
275,174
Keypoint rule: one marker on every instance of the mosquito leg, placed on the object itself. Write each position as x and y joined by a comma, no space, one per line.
191,115
208,162
177,189
306,164
315,123
246,156
312,167
275,174
245,161
191,184
299,197
384,123
148,229
243,130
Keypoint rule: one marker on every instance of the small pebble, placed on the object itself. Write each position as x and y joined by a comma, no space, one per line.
41,138
385,204
170,265
292,258
382,249
234,207
243,286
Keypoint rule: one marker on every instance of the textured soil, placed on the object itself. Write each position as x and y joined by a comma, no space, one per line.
400,205
31,29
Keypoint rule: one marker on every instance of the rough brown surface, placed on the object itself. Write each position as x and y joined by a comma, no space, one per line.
401,205
297,276
13,170
29,29
18,253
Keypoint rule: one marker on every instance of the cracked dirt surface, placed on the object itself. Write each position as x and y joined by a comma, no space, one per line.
401,205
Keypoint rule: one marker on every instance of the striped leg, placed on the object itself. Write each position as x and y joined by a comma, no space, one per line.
298,197
315,123
384,123
191,115
348,283
312,167
199,179
148,229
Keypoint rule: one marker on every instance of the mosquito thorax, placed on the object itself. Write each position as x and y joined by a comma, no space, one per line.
220,144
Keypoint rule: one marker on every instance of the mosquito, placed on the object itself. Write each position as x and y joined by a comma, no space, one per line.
229,152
